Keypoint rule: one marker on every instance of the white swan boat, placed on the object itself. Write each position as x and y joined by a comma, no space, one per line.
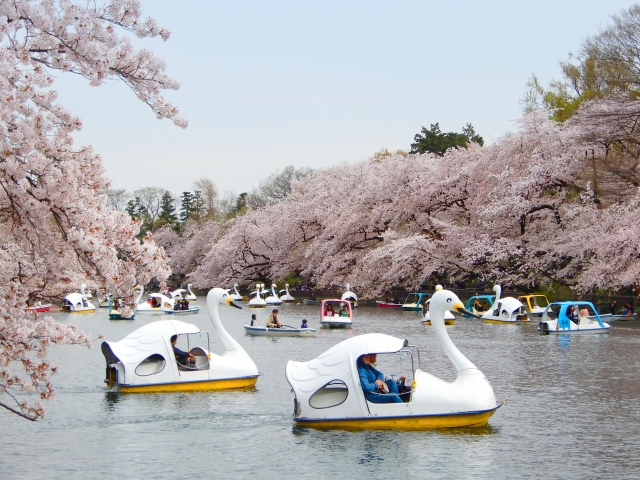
328,392
184,294
83,291
572,317
273,299
279,332
350,296
330,317
506,310
285,296
77,303
144,361
449,318
157,303
235,294
256,300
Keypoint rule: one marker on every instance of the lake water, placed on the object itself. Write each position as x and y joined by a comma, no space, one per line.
573,410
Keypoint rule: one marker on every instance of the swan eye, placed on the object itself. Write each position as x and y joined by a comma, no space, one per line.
449,300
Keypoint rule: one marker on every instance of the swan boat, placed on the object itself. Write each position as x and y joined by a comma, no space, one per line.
536,304
479,304
449,318
87,294
557,319
235,294
279,332
350,296
256,300
335,320
414,301
181,294
77,303
273,299
144,362
328,392
285,296
157,303
506,310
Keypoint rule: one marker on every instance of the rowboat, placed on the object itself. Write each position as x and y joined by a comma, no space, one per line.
279,332
39,308
192,310
387,304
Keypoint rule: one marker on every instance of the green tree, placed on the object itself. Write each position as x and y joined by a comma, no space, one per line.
186,206
435,141
167,210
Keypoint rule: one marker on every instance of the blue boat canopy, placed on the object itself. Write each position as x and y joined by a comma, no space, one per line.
560,311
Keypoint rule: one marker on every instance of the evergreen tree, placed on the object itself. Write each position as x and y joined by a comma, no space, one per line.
435,141
167,210
186,206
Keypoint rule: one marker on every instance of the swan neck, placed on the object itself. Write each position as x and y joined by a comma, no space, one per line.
226,339
140,295
457,358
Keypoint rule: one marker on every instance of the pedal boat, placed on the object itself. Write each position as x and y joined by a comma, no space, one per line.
39,307
555,319
143,362
414,301
536,304
162,301
273,299
328,393
507,310
77,303
279,332
350,296
114,310
335,320
256,300
479,304
285,296
235,294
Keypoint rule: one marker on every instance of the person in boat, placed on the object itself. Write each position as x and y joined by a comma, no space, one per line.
612,307
584,311
304,323
496,311
328,312
571,314
184,304
628,309
182,357
375,389
343,311
254,320
273,321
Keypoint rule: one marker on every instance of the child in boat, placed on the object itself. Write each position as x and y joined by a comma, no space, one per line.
304,323
254,320
329,311
343,311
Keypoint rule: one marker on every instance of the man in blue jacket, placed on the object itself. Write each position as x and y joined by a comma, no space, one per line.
373,384
183,358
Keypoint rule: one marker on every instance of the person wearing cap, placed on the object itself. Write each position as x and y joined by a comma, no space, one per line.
273,321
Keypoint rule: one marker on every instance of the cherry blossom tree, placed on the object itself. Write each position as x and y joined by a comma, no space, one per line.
56,227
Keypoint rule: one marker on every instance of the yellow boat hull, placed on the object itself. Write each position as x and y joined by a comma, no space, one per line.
83,311
418,422
446,322
197,386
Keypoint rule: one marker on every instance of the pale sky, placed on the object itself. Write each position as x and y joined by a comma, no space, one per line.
266,84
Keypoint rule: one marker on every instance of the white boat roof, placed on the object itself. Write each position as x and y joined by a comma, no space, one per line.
75,297
149,339
368,343
509,304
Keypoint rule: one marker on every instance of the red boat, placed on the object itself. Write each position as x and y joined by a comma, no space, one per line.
39,308
387,304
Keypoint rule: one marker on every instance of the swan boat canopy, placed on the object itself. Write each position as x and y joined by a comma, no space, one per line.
279,332
334,320
506,310
350,296
77,303
285,296
144,361
328,391
273,299
157,303
572,317
536,304
414,301
479,304
255,299
449,318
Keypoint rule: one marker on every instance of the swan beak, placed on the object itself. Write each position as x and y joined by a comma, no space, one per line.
459,307
231,304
